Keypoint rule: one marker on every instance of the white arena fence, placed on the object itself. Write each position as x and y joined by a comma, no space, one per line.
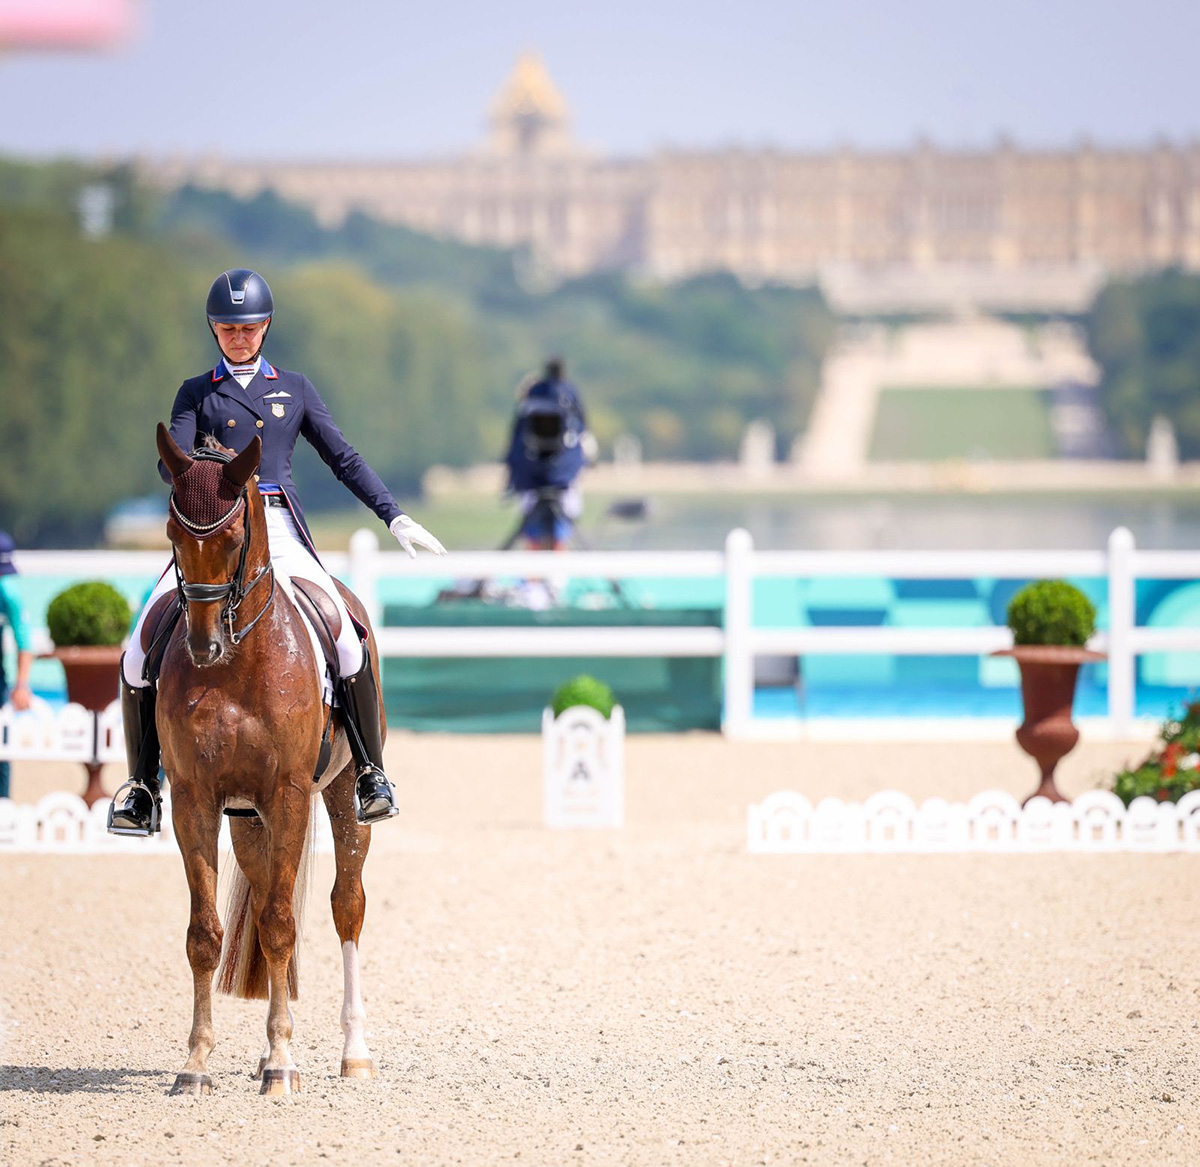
787,823
739,641
70,734
62,824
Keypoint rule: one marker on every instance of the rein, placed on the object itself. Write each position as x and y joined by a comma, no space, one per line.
234,591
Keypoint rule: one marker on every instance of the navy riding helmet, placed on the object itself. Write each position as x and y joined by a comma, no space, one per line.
239,296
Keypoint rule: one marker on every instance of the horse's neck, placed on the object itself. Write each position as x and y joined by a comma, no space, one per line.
258,560
260,545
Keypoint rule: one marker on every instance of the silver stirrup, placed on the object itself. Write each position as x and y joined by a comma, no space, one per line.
379,816
155,811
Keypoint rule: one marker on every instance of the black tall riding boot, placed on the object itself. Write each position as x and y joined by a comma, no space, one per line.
141,809
374,798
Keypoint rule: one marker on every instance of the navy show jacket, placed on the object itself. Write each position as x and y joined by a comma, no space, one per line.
279,407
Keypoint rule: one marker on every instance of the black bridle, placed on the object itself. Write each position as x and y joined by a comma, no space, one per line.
235,590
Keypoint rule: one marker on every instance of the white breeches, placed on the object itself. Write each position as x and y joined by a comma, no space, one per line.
289,557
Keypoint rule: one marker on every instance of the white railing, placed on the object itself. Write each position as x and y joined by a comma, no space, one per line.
739,566
62,823
787,823
69,734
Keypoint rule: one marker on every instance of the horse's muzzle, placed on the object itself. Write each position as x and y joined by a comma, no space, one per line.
207,652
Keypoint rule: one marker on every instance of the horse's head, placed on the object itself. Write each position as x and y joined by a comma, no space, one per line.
209,528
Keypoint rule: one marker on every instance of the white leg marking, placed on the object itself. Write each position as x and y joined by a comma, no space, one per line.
354,1016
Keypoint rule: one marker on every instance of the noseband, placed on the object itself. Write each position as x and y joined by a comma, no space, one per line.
235,590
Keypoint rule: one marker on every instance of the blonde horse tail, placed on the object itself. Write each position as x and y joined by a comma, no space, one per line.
243,971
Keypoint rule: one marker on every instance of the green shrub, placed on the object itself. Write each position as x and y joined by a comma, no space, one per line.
583,690
1172,768
1051,611
88,613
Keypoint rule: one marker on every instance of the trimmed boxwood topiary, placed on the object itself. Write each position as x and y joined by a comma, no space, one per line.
1051,611
88,613
583,690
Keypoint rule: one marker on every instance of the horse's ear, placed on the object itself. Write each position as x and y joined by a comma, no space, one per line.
239,468
173,458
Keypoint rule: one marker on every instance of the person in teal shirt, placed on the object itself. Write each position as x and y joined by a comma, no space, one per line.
12,613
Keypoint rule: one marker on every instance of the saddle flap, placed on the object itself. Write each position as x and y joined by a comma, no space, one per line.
321,612
165,609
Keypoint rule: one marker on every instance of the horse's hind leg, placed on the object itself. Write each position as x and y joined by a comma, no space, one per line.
350,842
196,829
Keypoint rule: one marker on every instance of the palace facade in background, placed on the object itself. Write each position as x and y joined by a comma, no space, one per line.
881,231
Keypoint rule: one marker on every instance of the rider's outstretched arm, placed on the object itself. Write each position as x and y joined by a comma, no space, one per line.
322,433
347,463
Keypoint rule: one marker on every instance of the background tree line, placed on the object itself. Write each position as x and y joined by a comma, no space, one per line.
417,344
1145,335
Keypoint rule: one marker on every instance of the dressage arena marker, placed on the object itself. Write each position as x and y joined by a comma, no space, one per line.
786,823
61,823
583,767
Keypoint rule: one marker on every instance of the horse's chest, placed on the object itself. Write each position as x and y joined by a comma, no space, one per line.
219,730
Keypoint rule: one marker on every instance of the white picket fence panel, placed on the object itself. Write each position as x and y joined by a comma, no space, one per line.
68,734
786,823
62,823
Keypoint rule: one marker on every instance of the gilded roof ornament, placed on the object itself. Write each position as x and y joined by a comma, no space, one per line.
529,92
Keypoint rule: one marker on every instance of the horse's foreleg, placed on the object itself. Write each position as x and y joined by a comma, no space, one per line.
350,842
277,937
196,830
250,851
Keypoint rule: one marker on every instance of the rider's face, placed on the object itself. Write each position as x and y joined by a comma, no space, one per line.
239,342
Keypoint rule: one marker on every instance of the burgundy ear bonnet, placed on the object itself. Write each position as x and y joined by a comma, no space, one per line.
202,497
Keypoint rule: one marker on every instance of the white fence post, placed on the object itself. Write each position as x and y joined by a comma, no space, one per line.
364,571
739,620
1122,615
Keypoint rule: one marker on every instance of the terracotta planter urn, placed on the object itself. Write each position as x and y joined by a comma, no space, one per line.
1048,677
93,682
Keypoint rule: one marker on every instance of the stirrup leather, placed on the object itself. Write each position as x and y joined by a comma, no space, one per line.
155,810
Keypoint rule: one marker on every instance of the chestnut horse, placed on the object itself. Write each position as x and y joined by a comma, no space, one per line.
241,719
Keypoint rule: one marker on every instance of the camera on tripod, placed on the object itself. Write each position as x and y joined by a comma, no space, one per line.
546,432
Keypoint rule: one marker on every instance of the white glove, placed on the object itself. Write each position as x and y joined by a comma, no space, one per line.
412,535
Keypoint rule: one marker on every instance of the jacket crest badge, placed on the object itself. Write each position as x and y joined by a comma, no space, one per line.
277,408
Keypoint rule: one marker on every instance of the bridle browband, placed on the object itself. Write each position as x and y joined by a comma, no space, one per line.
235,590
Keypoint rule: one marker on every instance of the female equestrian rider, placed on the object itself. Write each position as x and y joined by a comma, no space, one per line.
244,396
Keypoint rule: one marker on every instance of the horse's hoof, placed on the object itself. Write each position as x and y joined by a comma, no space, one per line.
257,1075
276,1082
188,1083
358,1068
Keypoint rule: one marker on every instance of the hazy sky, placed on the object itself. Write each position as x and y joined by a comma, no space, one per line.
324,78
